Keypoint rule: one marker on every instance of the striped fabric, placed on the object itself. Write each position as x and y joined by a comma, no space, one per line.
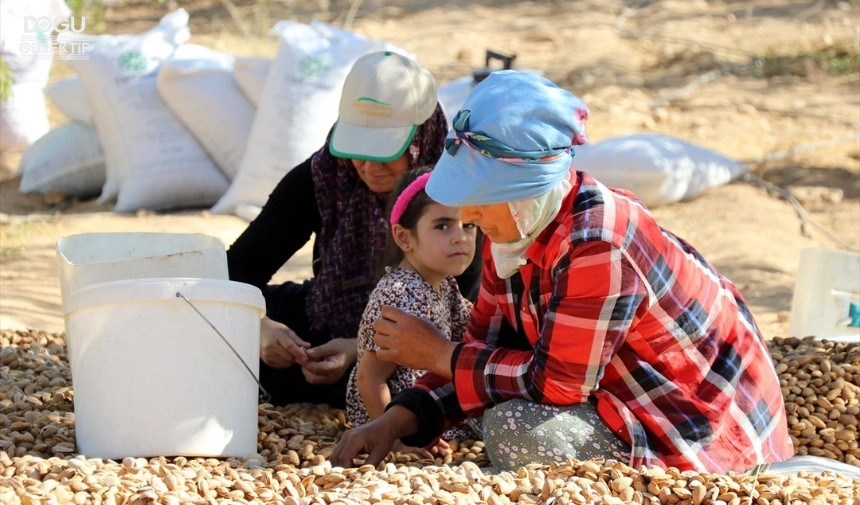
611,305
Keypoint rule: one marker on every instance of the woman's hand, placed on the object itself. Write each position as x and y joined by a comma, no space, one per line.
328,362
412,342
376,438
438,449
280,347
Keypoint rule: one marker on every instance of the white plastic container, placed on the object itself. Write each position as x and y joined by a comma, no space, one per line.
826,301
91,258
453,94
151,376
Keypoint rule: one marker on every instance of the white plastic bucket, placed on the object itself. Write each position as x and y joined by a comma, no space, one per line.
826,296
151,377
90,258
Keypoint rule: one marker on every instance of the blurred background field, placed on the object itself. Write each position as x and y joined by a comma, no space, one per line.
774,84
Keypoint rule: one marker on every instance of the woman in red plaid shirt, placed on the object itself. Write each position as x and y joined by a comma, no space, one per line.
595,333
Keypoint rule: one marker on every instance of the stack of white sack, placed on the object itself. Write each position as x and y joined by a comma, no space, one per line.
157,123
297,106
27,52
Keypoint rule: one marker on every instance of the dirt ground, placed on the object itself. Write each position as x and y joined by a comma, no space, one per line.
749,79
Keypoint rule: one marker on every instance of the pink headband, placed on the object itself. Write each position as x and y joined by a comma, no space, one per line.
406,197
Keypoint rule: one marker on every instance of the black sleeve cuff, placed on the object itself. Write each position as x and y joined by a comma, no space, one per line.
454,356
430,419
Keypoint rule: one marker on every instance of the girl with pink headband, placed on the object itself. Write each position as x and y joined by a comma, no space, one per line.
428,246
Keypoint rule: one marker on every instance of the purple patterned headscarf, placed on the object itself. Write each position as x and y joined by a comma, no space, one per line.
353,232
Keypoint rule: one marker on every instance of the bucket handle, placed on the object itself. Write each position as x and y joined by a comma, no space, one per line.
264,395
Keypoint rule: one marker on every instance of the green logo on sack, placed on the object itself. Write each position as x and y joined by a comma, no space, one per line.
42,40
132,62
313,67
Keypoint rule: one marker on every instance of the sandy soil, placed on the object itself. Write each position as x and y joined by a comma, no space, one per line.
746,78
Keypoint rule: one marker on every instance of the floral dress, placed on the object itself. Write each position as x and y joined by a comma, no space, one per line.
404,289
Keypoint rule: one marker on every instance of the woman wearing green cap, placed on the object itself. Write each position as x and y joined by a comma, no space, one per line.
389,120
595,333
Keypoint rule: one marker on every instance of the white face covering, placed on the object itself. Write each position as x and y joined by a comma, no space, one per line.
532,215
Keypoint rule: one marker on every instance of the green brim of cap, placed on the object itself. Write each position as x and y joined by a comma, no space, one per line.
372,144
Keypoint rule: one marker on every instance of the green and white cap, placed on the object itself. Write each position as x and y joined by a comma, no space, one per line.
385,97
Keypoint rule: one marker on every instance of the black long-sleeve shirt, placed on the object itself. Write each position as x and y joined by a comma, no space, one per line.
285,224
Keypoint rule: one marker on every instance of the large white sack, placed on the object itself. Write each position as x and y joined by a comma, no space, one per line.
151,159
68,95
67,159
197,84
660,169
28,53
298,106
250,74
23,118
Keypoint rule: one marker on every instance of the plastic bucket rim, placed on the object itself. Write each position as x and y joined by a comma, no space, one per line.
64,245
151,289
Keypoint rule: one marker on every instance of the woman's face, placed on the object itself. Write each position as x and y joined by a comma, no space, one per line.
494,220
381,177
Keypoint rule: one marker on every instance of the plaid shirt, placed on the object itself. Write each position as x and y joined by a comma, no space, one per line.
612,306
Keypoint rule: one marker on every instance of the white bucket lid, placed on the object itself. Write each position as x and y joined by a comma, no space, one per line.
166,289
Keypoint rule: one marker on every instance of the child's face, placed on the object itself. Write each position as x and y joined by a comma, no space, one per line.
442,244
